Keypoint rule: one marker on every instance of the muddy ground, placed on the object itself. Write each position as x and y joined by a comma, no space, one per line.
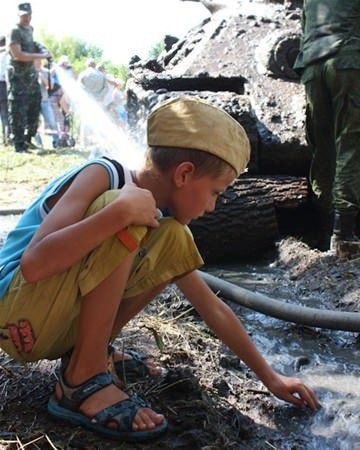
208,393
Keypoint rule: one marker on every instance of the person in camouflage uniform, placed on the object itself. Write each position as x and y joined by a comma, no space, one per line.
24,89
329,62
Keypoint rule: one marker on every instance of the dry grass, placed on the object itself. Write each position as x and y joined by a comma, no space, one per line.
24,175
170,331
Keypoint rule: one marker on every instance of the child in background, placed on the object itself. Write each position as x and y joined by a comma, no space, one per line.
46,108
92,251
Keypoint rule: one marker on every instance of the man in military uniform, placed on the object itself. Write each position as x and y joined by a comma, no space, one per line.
24,89
329,61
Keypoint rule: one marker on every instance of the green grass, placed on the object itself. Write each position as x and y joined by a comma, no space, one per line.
24,175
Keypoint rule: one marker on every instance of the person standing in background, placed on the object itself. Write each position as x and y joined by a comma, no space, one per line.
329,62
117,108
3,91
114,99
94,82
24,89
46,108
95,85
60,102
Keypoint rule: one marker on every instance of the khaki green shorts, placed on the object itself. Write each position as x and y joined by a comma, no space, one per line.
39,320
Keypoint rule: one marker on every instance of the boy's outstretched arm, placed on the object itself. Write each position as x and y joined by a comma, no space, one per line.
225,324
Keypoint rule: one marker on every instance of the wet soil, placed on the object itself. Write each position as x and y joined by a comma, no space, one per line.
207,395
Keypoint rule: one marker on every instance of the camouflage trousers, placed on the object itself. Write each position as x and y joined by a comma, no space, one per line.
4,114
24,106
333,132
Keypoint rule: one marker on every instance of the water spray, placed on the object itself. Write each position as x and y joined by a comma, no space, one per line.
106,137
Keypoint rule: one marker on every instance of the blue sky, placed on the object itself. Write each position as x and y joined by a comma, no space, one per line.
121,27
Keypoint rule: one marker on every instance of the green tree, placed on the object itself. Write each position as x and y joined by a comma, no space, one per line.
118,71
155,51
78,51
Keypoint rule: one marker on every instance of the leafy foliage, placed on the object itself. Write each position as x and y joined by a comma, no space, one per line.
78,51
156,50
118,71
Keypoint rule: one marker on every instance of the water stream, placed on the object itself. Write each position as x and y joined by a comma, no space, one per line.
327,360
103,136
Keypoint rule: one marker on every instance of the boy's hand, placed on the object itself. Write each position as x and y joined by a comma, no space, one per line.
294,391
140,206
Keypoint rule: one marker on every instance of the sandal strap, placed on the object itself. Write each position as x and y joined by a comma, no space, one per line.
122,413
133,369
73,396
136,356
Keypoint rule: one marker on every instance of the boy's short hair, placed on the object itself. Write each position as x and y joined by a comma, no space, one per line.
186,122
164,158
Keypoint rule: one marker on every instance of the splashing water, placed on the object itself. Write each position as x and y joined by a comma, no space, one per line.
106,137
331,367
338,422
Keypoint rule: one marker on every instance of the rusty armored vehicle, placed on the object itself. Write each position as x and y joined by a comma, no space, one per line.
241,59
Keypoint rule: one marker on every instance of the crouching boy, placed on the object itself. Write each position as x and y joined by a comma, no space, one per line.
92,251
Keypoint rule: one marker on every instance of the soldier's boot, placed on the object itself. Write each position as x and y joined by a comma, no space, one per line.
31,145
344,241
324,231
21,147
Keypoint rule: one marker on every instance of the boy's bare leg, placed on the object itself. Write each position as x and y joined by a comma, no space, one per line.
89,355
128,309
131,306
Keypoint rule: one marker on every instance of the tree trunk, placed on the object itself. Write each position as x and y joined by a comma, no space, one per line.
244,223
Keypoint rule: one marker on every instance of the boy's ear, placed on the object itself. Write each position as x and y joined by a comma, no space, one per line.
183,173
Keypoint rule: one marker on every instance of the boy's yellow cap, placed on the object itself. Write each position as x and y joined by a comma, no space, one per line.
187,122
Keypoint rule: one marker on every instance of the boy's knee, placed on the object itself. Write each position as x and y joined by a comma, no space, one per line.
103,200
174,236
173,229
